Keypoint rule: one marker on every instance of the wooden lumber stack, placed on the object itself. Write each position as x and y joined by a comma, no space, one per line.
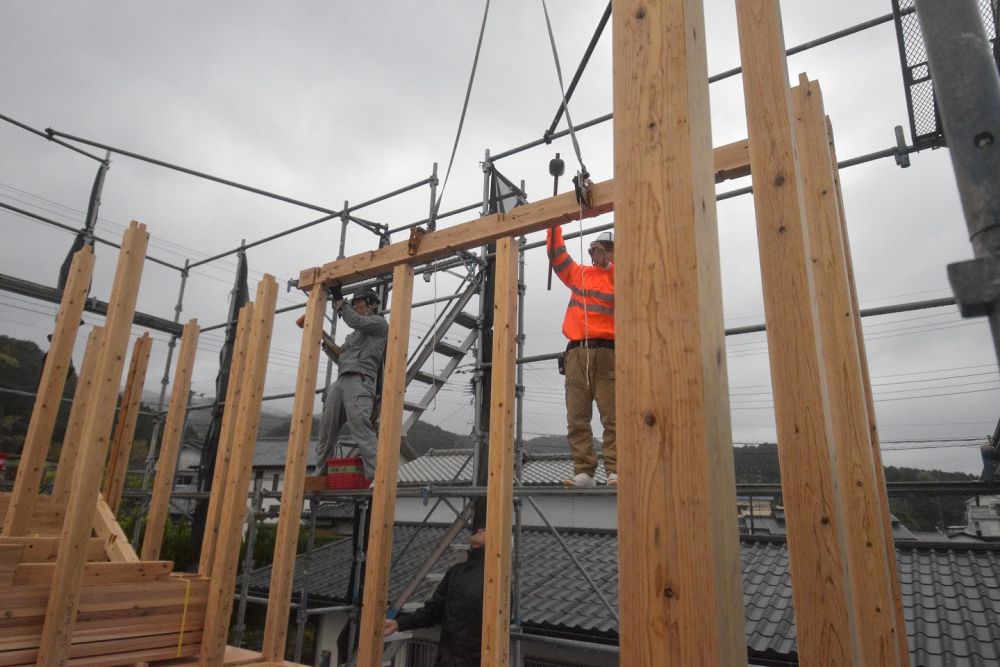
126,612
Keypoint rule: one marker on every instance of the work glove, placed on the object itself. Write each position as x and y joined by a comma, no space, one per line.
336,292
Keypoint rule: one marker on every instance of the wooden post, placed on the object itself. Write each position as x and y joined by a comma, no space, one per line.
386,471
855,468
60,614
48,399
496,582
224,453
173,433
128,416
296,460
680,596
77,413
813,509
889,539
234,508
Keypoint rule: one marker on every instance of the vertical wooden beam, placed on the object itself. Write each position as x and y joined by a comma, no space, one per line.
825,630
680,596
60,615
889,540
128,416
296,460
170,444
77,413
855,468
48,399
386,470
224,453
234,508
496,582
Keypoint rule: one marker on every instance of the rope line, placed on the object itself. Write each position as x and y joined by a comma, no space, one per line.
562,89
465,107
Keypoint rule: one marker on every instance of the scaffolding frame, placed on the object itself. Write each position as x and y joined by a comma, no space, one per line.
383,231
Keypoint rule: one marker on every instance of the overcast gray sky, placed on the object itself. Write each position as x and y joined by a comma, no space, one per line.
327,102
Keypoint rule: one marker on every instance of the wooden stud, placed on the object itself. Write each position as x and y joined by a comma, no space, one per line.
813,511
889,539
731,161
224,452
49,397
680,595
82,505
296,460
386,471
871,593
499,494
77,413
128,416
173,433
234,508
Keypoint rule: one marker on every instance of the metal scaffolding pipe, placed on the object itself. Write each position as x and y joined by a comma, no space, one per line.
74,230
55,141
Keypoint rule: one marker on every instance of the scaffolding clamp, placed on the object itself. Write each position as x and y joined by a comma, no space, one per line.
584,189
416,234
976,284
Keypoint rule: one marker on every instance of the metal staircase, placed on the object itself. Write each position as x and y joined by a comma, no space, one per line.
422,369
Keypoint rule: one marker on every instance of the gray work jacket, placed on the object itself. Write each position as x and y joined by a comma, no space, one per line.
364,348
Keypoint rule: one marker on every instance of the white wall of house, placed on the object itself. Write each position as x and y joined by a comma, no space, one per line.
984,516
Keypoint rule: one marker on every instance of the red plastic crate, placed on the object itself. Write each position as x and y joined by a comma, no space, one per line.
346,473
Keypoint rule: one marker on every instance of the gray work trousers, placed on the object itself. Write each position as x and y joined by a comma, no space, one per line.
348,411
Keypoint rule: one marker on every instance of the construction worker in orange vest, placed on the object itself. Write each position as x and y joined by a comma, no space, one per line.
590,355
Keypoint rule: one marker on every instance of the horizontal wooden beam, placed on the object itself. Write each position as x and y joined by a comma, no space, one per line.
731,161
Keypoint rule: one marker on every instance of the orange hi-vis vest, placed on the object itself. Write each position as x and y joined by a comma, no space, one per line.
591,310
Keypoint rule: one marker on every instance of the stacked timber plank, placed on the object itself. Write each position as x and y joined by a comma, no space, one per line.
126,612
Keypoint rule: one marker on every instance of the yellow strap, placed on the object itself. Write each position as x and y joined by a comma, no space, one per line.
187,596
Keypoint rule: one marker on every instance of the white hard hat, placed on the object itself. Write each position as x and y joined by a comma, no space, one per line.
606,239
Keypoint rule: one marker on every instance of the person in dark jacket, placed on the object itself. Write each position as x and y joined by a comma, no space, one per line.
457,606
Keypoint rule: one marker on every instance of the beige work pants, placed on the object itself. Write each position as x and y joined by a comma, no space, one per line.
590,377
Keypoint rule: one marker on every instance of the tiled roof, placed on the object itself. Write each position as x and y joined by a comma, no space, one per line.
270,453
775,526
454,466
951,594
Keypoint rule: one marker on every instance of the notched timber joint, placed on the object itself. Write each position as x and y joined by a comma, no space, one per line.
413,243
584,189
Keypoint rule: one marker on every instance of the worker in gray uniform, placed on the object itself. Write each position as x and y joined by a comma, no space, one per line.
349,400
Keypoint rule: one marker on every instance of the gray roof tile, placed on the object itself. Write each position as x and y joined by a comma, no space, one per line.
443,466
270,453
951,595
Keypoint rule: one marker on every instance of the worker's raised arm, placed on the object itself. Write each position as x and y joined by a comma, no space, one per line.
562,264
433,610
373,325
